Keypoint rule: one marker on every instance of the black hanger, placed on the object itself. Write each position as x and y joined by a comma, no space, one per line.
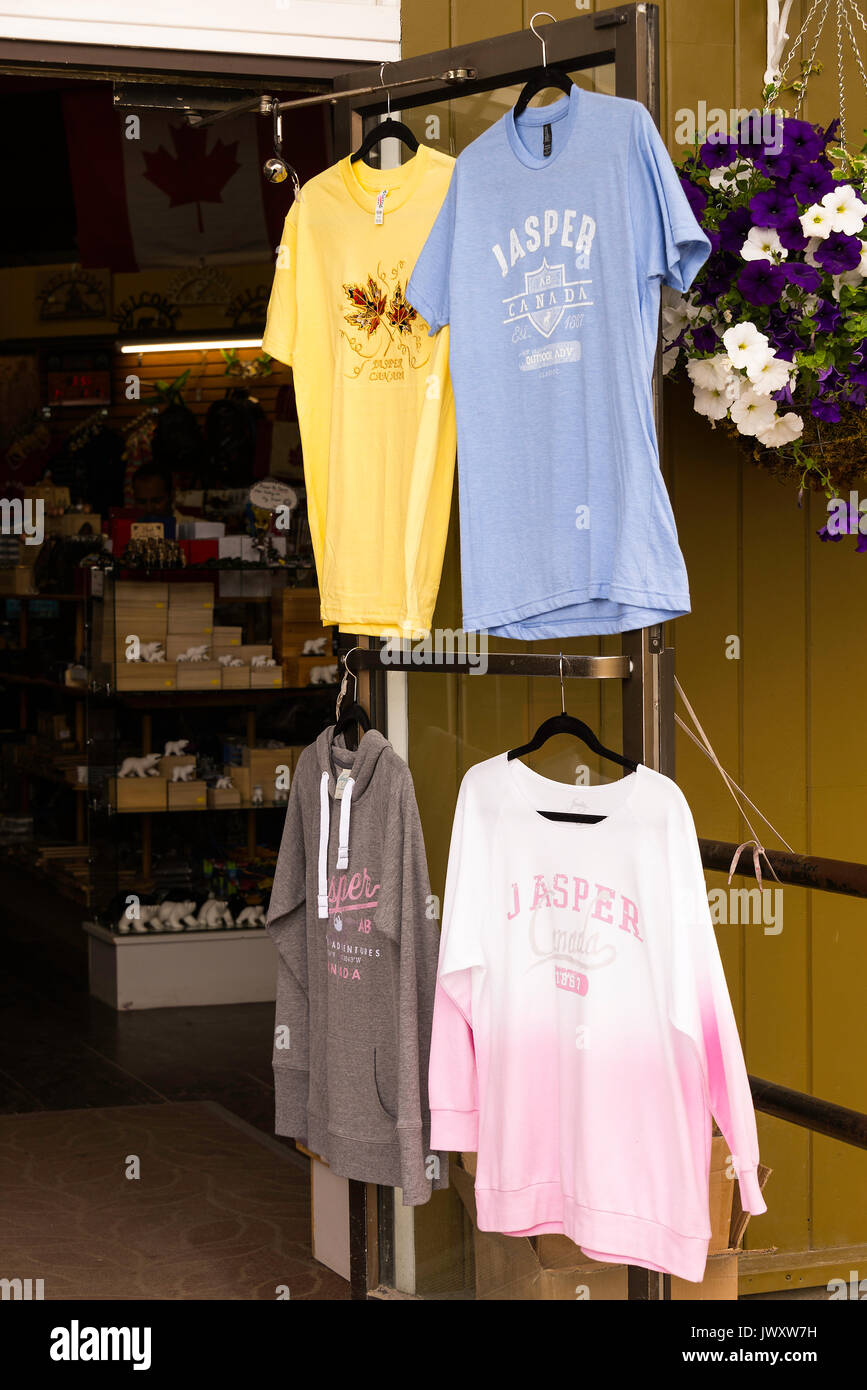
564,723
349,716
387,129
544,76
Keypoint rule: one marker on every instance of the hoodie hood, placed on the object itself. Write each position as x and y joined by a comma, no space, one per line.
344,776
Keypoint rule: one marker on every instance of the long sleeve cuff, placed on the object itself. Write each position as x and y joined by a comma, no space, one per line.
751,1194
454,1130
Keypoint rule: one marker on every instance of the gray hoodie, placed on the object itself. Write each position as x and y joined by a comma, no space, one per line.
358,945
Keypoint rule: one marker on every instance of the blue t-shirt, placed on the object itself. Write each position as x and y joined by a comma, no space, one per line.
546,261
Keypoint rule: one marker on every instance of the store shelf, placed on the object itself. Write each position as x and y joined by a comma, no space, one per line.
192,810
43,682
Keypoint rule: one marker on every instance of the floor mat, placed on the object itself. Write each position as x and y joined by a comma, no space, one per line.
218,1210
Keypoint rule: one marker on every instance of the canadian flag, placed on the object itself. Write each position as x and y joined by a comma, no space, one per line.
152,190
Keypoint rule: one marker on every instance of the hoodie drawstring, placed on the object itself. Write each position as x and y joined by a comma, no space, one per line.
343,837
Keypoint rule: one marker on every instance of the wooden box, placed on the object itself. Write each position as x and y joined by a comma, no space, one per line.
235,677
266,678
138,793
144,675
196,624
166,766
247,650
221,797
179,642
187,796
137,591
297,670
190,596
199,675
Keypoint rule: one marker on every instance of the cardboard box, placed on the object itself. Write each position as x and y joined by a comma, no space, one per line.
166,766
187,796
137,793
227,637
199,675
553,1267
235,677
219,798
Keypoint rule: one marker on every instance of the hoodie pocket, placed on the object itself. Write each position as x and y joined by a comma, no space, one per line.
355,1102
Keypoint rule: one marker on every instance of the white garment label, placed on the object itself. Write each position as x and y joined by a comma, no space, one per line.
380,207
341,783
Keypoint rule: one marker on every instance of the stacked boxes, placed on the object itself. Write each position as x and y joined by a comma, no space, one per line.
262,767
295,621
140,620
191,625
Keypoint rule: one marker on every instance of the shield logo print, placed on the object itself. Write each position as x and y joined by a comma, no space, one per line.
540,284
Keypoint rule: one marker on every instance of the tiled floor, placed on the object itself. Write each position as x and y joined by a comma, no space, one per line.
61,1050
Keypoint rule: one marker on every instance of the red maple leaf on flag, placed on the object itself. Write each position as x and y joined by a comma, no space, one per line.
193,174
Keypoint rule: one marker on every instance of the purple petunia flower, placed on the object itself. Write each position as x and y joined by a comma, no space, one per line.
828,411
704,338
761,282
838,253
717,279
806,277
802,141
733,229
773,166
791,234
696,197
772,208
811,182
716,154
827,316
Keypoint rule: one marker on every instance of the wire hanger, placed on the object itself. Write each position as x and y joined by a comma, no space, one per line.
385,129
544,76
564,723
354,714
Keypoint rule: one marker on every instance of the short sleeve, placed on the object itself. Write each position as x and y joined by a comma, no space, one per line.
279,339
671,244
428,289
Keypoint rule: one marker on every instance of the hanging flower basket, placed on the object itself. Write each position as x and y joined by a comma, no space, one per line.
773,333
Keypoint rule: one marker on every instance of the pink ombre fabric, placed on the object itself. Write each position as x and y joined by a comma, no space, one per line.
583,1034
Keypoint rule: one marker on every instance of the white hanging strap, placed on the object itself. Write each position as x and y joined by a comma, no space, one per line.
343,842
707,748
324,819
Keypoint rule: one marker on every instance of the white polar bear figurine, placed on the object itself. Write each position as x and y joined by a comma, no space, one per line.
176,748
152,651
140,767
195,653
259,662
224,784
146,912
251,916
314,646
214,914
171,915
324,675
228,660
183,774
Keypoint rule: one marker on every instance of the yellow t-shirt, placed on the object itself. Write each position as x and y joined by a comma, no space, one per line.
374,397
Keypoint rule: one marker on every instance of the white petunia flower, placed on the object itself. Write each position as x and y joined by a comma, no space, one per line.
845,210
669,358
730,175
710,373
783,430
817,222
712,403
752,412
763,244
771,374
744,344
674,320
810,253
849,277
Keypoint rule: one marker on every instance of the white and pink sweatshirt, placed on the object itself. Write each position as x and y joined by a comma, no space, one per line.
583,1034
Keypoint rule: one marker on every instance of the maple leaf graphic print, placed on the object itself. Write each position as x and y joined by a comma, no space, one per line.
194,173
401,313
369,302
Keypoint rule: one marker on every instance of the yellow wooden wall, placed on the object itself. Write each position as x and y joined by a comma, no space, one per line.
785,717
